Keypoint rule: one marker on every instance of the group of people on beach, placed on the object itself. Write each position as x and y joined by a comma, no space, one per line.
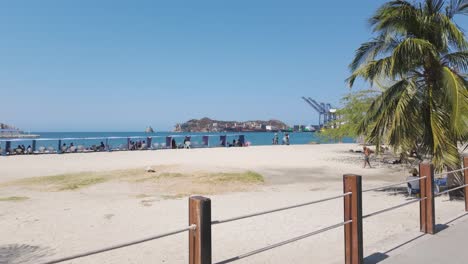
285,140
136,145
187,143
367,153
21,149
235,143
72,148
130,145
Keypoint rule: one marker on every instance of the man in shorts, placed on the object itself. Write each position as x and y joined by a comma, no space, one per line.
367,153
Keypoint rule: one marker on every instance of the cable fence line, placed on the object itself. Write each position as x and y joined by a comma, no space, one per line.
94,252
254,252
393,184
216,222
200,223
393,207
450,172
451,190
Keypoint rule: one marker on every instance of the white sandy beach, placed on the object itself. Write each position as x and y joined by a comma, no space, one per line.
55,223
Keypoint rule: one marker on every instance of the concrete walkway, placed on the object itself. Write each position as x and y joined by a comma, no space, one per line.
447,246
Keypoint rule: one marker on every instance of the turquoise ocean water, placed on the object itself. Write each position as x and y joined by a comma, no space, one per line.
86,138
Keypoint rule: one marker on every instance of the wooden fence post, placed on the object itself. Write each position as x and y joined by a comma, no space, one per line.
353,211
465,173
426,207
200,238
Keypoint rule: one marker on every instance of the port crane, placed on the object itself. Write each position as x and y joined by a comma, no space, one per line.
326,113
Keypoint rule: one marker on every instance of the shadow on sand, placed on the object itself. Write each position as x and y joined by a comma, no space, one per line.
22,253
380,256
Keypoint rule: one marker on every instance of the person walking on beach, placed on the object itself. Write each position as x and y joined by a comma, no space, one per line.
367,152
275,139
286,139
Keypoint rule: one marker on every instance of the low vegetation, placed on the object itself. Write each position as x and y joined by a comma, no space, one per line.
172,184
13,199
242,177
62,182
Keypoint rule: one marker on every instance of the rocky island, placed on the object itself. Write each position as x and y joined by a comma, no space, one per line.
210,125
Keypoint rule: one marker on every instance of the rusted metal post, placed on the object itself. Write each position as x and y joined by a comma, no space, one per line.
353,211
426,207
465,173
200,238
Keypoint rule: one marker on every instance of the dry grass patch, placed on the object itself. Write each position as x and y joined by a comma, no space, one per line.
226,177
61,182
14,199
142,177
164,181
74,181
174,196
142,195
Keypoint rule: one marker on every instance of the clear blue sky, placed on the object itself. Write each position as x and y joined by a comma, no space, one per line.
122,65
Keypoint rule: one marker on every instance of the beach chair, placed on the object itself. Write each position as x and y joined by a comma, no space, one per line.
440,184
205,141
413,187
81,148
223,140
241,140
42,149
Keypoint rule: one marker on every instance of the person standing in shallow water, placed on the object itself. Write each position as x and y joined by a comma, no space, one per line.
275,139
367,153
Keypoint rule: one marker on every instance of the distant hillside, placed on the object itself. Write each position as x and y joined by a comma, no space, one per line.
9,131
209,125
5,126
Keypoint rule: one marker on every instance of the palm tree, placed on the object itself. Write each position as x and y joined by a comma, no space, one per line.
423,55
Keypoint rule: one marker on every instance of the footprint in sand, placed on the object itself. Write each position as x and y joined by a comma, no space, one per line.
148,202
108,216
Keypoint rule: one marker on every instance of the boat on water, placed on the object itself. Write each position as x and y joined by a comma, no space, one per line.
149,130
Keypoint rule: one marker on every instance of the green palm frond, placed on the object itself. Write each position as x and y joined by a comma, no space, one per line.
371,71
453,87
395,17
369,50
382,106
454,34
457,60
411,53
433,6
457,7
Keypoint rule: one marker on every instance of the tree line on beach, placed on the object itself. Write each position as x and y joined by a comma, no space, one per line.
416,65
